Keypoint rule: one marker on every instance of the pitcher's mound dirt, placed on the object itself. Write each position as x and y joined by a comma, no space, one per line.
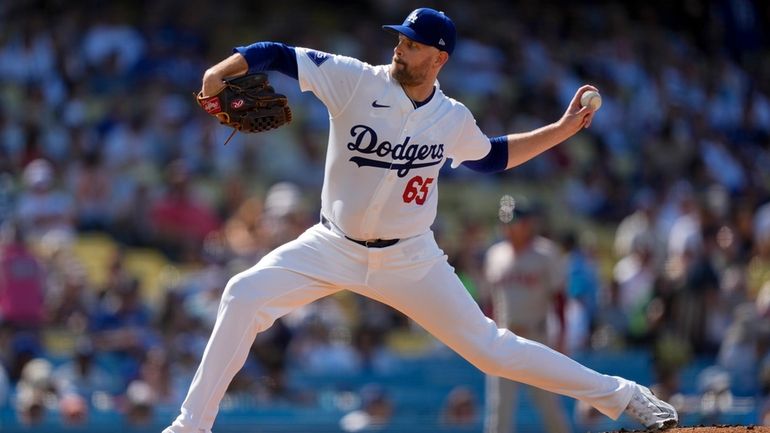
718,429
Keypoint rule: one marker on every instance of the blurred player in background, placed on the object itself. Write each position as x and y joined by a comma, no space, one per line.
525,274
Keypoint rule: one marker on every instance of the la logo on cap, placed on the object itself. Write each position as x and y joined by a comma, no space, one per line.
412,17
441,42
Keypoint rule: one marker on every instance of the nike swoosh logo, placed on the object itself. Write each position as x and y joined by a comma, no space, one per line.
376,105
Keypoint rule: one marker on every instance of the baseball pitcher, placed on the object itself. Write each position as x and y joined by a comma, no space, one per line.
391,128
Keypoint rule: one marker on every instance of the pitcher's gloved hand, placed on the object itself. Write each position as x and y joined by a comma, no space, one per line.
248,104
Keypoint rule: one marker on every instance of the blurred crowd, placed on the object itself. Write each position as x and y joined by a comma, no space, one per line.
99,133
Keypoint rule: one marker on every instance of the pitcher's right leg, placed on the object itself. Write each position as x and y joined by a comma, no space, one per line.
252,301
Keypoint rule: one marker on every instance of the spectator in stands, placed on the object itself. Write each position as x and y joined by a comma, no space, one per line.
92,186
122,309
611,322
23,347
27,55
244,234
270,349
22,281
139,402
173,319
374,356
30,408
202,294
375,413
694,280
83,376
133,223
740,352
460,408
155,371
668,386
186,351
43,210
73,409
323,349
34,391
121,326
716,396
180,221
583,287
635,275
285,215
639,224
70,302
110,37
126,148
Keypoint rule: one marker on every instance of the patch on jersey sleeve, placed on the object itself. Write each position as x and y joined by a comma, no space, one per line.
318,57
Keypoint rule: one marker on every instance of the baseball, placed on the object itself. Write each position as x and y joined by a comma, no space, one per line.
591,98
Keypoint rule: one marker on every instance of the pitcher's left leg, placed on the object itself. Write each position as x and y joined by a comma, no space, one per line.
427,290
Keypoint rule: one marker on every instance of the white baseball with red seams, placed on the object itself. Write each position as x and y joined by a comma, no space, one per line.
591,98
381,182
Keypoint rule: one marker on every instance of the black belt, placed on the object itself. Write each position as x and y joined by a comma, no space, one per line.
375,243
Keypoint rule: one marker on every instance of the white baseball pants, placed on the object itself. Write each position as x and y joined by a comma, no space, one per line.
412,276
502,401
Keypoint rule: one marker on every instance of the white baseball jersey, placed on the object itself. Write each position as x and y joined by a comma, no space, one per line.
384,155
524,282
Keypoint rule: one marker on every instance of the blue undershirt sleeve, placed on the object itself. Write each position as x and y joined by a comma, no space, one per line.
495,161
270,56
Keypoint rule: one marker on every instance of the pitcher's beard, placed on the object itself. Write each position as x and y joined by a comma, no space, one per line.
406,76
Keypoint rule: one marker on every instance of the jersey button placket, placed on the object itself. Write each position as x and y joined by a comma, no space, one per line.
373,215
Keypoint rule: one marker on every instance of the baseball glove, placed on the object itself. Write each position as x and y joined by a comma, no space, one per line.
248,104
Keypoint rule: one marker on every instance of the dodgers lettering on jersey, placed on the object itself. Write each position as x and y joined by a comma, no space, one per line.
403,155
384,156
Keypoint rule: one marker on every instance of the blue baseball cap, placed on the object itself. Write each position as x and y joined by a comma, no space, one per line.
428,26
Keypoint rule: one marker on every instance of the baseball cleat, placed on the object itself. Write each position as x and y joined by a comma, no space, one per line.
651,411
